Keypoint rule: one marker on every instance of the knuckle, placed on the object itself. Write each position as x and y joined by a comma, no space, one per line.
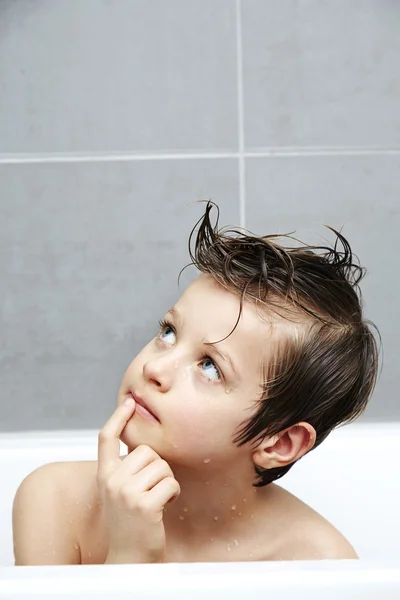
110,486
146,450
102,436
163,465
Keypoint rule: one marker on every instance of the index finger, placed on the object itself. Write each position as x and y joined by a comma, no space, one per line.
108,439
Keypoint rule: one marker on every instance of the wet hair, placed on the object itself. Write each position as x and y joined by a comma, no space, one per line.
324,370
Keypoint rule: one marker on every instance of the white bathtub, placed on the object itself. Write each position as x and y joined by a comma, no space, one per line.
352,479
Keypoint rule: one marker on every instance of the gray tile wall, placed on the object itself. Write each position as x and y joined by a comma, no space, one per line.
115,117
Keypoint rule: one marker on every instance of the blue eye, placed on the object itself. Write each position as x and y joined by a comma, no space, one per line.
167,329
163,327
206,359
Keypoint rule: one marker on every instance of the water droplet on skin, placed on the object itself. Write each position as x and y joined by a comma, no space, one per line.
54,552
181,517
176,446
89,506
70,522
251,516
207,460
236,543
207,483
240,514
211,539
250,556
227,391
244,499
228,548
215,518
185,509
77,502
176,364
76,546
233,507
89,554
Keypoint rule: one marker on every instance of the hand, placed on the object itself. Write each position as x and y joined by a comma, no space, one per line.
134,492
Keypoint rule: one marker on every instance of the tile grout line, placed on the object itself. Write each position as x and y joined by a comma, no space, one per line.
240,108
261,153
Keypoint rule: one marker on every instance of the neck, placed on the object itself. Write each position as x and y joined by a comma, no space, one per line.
212,503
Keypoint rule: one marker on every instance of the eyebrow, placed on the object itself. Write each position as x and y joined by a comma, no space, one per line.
224,357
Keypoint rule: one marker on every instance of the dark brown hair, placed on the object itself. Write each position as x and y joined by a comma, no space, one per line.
325,371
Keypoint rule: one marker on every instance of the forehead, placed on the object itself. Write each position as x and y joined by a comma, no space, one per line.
210,311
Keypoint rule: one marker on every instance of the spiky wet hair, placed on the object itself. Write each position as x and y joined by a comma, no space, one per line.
325,369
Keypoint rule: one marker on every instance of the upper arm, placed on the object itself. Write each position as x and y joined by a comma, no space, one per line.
42,531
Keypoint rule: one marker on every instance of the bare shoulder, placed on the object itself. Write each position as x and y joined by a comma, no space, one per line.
51,507
308,535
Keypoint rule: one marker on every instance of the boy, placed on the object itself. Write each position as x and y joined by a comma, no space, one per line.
262,356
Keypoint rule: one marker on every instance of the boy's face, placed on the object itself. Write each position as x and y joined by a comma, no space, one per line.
199,401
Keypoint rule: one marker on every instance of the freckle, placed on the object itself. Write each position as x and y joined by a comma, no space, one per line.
207,460
181,517
215,518
233,507
185,509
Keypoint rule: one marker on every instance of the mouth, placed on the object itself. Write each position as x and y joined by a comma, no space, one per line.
143,409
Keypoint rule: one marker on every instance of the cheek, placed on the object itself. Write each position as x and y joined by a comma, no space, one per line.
205,431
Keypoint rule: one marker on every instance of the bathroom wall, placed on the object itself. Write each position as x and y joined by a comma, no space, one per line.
117,117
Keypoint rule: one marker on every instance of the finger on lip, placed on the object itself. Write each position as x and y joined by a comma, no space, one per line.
108,440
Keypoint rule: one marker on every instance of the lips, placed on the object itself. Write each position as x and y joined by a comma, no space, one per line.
142,402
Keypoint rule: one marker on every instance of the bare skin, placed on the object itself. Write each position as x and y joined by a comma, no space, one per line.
68,526
184,492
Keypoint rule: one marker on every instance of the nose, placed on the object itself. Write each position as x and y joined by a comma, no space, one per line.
158,372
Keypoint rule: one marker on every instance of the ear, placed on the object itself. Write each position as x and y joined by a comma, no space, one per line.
285,447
